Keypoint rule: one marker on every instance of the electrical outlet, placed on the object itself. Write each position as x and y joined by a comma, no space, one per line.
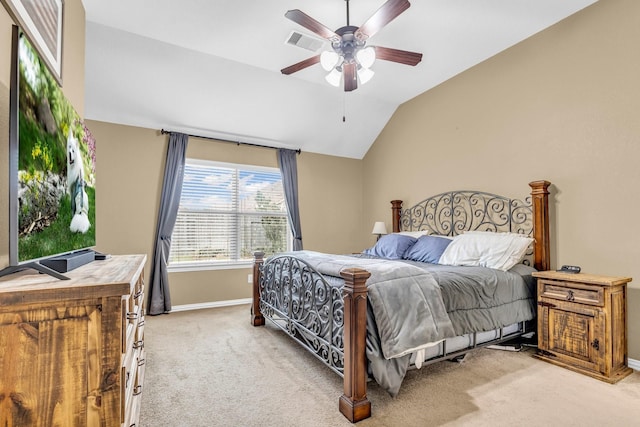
249,278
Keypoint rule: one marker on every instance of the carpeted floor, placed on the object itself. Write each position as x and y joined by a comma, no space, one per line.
210,367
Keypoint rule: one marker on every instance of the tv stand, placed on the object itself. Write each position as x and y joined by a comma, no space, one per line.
56,265
72,353
34,265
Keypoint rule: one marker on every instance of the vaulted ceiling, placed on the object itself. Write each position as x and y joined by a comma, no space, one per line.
212,68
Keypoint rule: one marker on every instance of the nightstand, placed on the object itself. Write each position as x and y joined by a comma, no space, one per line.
582,323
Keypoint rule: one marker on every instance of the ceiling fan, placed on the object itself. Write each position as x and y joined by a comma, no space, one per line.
351,58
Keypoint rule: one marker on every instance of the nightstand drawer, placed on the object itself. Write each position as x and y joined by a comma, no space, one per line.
573,292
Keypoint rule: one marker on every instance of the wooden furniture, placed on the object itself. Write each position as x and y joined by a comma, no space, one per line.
71,351
582,323
482,211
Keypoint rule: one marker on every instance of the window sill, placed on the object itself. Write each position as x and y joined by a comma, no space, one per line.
185,267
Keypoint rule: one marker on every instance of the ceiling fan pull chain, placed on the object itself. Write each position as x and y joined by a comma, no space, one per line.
344,106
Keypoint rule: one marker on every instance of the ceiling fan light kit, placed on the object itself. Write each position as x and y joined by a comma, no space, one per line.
351,58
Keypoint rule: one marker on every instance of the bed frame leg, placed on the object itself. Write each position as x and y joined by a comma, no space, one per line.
354,404
257,319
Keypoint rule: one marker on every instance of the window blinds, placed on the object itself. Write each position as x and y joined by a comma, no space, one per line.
227,212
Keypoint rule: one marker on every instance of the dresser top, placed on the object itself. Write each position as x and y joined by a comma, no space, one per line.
111,277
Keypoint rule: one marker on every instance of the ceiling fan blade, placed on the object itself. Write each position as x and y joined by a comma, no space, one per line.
396,55
387,13
301,65
350,78
311,24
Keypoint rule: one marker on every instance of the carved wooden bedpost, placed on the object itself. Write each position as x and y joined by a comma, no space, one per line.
257,319
540,204
354,403
396,207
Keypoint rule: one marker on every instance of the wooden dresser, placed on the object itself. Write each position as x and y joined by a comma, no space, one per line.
71,351
582,323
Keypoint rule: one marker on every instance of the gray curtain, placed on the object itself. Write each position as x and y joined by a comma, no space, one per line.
289,170
159,298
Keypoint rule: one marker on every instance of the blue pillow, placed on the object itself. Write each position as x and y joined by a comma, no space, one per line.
427,249
391,246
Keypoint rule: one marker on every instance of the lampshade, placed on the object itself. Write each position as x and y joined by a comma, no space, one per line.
379,228
334,77
366,57
364,75
329,59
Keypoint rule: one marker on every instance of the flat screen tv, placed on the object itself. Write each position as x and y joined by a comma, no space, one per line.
51,171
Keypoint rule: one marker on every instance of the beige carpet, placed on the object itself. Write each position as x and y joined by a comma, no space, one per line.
210,367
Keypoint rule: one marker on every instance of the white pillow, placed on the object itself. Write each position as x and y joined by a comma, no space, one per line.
415,234
486,249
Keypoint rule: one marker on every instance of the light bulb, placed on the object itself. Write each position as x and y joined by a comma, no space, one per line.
364,75
366,57
333,78
329,59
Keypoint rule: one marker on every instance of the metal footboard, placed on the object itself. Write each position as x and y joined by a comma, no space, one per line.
305,305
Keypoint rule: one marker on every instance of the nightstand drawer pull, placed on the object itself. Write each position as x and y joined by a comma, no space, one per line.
596,344
570,296
138,344
132,315
137,390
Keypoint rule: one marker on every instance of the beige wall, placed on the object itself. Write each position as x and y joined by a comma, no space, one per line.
561,106
130,165
72,86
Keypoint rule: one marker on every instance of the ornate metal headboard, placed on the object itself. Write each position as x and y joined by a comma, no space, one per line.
455,212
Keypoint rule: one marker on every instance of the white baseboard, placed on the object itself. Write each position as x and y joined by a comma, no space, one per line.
633,364
214,304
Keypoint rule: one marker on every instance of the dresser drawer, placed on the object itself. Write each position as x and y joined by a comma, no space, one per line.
127,385
572,292
132,320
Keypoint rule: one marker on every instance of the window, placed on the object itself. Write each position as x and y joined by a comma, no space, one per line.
226,213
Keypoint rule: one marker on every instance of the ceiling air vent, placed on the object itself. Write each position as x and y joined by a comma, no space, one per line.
304,41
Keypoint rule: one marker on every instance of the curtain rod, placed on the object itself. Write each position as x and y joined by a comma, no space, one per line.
162,131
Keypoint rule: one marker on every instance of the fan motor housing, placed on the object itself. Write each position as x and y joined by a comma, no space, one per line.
348,44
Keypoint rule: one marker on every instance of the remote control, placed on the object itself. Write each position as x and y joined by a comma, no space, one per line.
573,269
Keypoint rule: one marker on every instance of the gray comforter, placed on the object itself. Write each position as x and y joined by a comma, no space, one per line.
413,304
405,301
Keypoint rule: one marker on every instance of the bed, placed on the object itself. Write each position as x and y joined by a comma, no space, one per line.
377,314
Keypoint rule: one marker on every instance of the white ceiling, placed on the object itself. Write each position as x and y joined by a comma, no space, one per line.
212,68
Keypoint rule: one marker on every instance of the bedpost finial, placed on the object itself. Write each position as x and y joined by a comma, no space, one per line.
539,187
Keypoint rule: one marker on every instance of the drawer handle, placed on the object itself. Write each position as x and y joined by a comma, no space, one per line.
596,344
141,323
137,390
132,315
546,304
138,344
570,296
141,362
137,294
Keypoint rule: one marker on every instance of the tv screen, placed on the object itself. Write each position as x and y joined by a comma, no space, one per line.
52,165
